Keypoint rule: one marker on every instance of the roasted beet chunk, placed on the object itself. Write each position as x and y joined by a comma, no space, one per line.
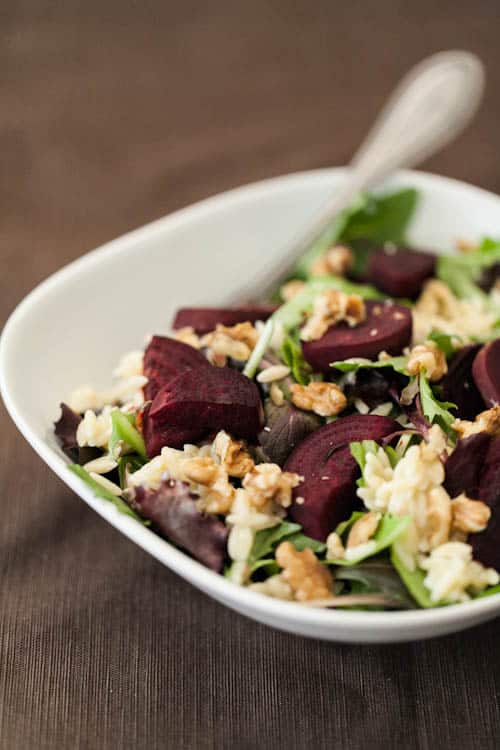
199,402
400,272
324,460
486,544
387,328
65,430
458,384
204,319
464,467
486,372
164,360
173,510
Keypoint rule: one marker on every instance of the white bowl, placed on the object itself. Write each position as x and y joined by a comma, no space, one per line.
73,328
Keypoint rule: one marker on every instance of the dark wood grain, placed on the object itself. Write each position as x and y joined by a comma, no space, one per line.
112,114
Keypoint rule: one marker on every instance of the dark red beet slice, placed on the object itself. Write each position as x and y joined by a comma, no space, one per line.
310,456
486,544
173,510
387,327
458,384
324,460
204,319
464,466
201,401
329,498
165,359
486,372
400,272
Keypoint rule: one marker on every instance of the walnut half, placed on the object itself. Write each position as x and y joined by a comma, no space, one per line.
308,578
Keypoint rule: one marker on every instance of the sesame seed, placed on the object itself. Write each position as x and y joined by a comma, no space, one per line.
374,332
299,501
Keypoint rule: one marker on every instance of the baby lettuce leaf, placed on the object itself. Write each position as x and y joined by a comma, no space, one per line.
437,412
377,577
381,218
444,341
100,491
414,581
389,529
398,364
124,432
461,272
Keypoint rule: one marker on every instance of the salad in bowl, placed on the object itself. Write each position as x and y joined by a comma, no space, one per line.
336,445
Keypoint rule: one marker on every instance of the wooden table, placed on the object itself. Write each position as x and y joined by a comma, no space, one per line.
111,115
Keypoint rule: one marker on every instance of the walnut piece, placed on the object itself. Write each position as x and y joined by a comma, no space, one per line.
290,290
308,578
233,455
235,341
469,516
188,336
210,481
268,482
487,421
331,307
438,518
325,399
429,357
338,259
363,529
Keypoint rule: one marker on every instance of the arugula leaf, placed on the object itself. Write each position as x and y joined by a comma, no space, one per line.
414,581
267,540
389,529
100,491
379,218
398,364
437,412
444,341
291,354
124,431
